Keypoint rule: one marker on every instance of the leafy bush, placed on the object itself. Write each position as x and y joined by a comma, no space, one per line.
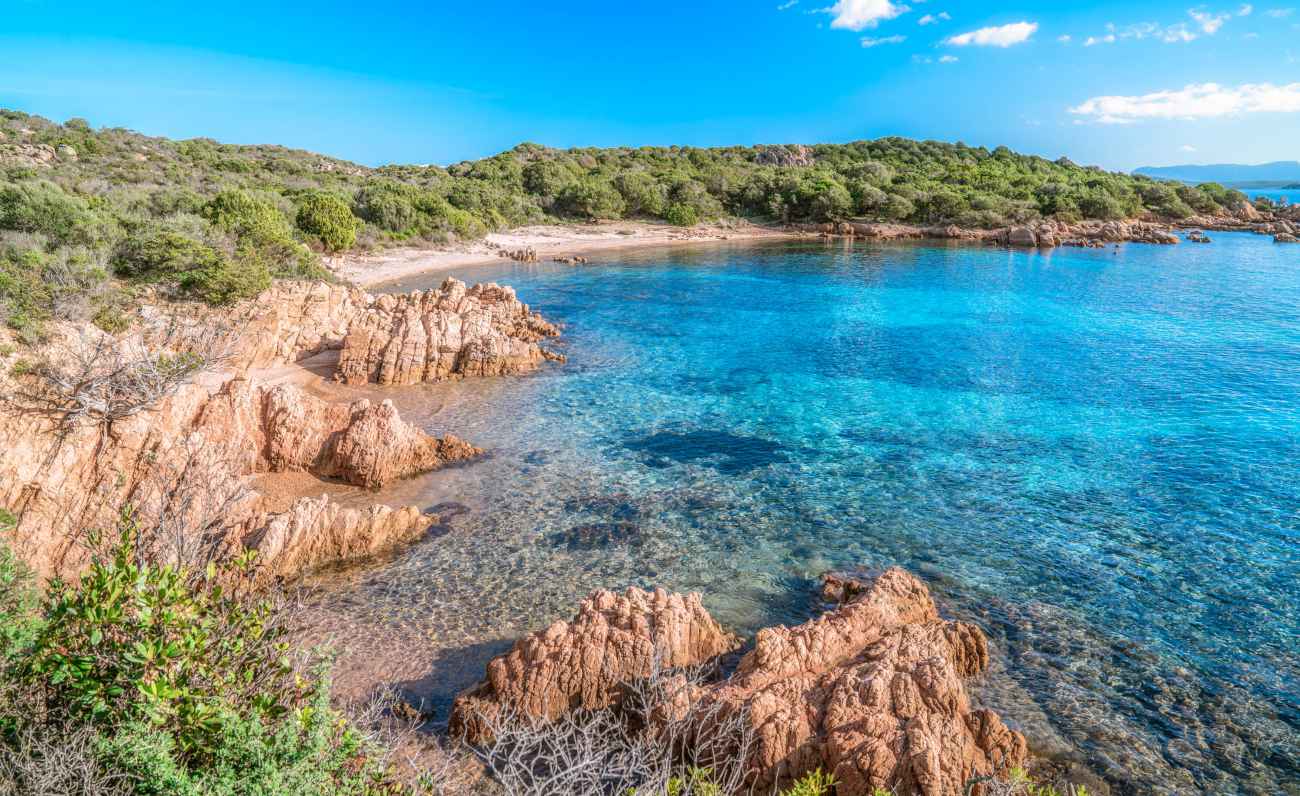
388,205
44,208
329,219
681,215
592,198
167,679
167,254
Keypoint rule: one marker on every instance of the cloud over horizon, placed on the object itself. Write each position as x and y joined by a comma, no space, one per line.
1000,36
1192,102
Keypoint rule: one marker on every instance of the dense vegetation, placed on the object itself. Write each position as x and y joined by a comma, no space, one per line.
89,216
145,678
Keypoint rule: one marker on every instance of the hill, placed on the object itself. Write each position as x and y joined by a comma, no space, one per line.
1264,175
88,217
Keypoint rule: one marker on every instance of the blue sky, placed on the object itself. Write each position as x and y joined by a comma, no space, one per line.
1119,84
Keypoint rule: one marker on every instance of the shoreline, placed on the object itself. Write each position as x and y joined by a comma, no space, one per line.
546,241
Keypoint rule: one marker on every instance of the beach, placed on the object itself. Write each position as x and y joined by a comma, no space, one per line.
367,269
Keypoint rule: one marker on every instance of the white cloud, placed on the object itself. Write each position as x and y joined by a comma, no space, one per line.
1066,39
870,42
862,14
787,5
931,19
1210,23
948,59
1195,101
1186,148
1001,36
1207,24
1279,13
1177,33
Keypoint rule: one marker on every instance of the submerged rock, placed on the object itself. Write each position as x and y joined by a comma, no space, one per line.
870,691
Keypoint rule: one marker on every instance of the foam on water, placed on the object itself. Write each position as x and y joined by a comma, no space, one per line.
1090,453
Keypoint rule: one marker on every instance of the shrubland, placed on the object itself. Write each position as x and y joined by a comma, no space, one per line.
89,218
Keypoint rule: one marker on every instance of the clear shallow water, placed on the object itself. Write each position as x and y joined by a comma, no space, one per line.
1089,453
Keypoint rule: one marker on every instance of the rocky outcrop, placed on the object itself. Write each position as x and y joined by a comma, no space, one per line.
581,664
438,334
184,465
1043,234
871,691
285,324
317,531
283,429
451,331
784,155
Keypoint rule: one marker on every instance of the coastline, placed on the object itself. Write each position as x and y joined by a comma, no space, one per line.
563,241
547,241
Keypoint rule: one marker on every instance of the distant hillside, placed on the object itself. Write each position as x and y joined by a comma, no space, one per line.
1231,174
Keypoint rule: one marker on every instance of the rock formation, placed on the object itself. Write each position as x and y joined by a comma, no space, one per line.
870,691
183,467
452,331
447,332
317,531
614,638
183,464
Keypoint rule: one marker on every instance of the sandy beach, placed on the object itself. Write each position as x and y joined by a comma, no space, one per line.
549,241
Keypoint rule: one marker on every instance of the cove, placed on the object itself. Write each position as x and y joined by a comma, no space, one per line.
1088,452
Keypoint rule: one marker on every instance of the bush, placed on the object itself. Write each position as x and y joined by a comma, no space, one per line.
329,219
642,193
45,209
167,255
169,680
388,205
592,198
681,215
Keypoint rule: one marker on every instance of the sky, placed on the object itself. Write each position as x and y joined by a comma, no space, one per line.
1116,84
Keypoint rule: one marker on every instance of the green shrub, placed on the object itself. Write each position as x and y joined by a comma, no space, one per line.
18,601
592,198
388,205
247,216
167,255
25,299
642,193
681,215
814,783
327,218
44,208
265,247
183,686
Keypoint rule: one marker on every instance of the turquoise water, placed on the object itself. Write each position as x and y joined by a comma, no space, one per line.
1290,195
1090,453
